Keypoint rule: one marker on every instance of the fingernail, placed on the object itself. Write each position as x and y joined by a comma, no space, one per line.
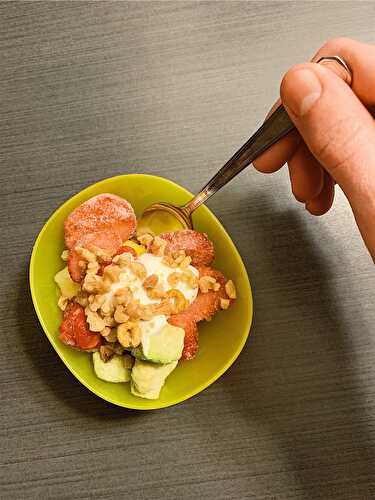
304,92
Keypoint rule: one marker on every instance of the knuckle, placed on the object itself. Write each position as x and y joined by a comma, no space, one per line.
336,43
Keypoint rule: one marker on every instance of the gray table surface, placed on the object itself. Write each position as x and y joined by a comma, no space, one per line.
91,90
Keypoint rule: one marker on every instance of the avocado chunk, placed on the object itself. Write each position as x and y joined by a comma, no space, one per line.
67,286
149,378
117,369
163,346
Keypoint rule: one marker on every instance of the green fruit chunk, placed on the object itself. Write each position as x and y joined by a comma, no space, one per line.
149,378
67,286
163,346
114,370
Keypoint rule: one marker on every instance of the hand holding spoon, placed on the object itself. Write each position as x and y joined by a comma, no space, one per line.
276,126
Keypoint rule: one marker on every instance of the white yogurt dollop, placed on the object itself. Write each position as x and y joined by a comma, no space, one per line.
153,265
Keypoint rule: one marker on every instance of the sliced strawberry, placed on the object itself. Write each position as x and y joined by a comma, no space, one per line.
203,307
126,249
207,304
74,330
107,240
104,212
196,245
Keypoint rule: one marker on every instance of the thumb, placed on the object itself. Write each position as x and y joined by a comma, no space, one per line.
340,133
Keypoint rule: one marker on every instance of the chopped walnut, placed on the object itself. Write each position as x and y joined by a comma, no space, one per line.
163,307
82,298
138,269
129,334
145,240
123,260
156,293
224,303
65,255
157,246
151,281
123,296
105,332
85,254
146,312
174,278
112,273
230,289
109,321
207,283
185,263
128,361
101,255
93,267
179,257
179,302
108,307
186,277
96,323
95,302
133,310
94,284
106,352
169,261
62,302
120,315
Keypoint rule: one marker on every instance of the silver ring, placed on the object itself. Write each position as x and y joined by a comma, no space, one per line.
340,61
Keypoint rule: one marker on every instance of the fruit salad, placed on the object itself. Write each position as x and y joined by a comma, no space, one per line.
134,300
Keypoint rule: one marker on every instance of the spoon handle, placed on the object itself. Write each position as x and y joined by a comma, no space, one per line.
274,128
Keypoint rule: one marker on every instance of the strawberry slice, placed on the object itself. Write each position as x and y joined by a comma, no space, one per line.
196,245
202,308
126,249
102,213
207,304
191,334
74,330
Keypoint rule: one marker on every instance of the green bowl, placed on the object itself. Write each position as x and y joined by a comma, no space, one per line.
221,340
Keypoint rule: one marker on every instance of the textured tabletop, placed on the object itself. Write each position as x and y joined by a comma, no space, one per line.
92,90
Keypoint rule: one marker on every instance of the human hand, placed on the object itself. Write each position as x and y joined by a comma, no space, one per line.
335,137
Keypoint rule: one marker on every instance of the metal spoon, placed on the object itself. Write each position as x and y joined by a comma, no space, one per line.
276,126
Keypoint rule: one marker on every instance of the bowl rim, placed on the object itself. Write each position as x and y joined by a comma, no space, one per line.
155,405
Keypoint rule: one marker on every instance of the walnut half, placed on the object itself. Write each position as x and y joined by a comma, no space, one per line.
129,334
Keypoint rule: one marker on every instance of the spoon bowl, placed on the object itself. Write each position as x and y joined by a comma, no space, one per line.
165,211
